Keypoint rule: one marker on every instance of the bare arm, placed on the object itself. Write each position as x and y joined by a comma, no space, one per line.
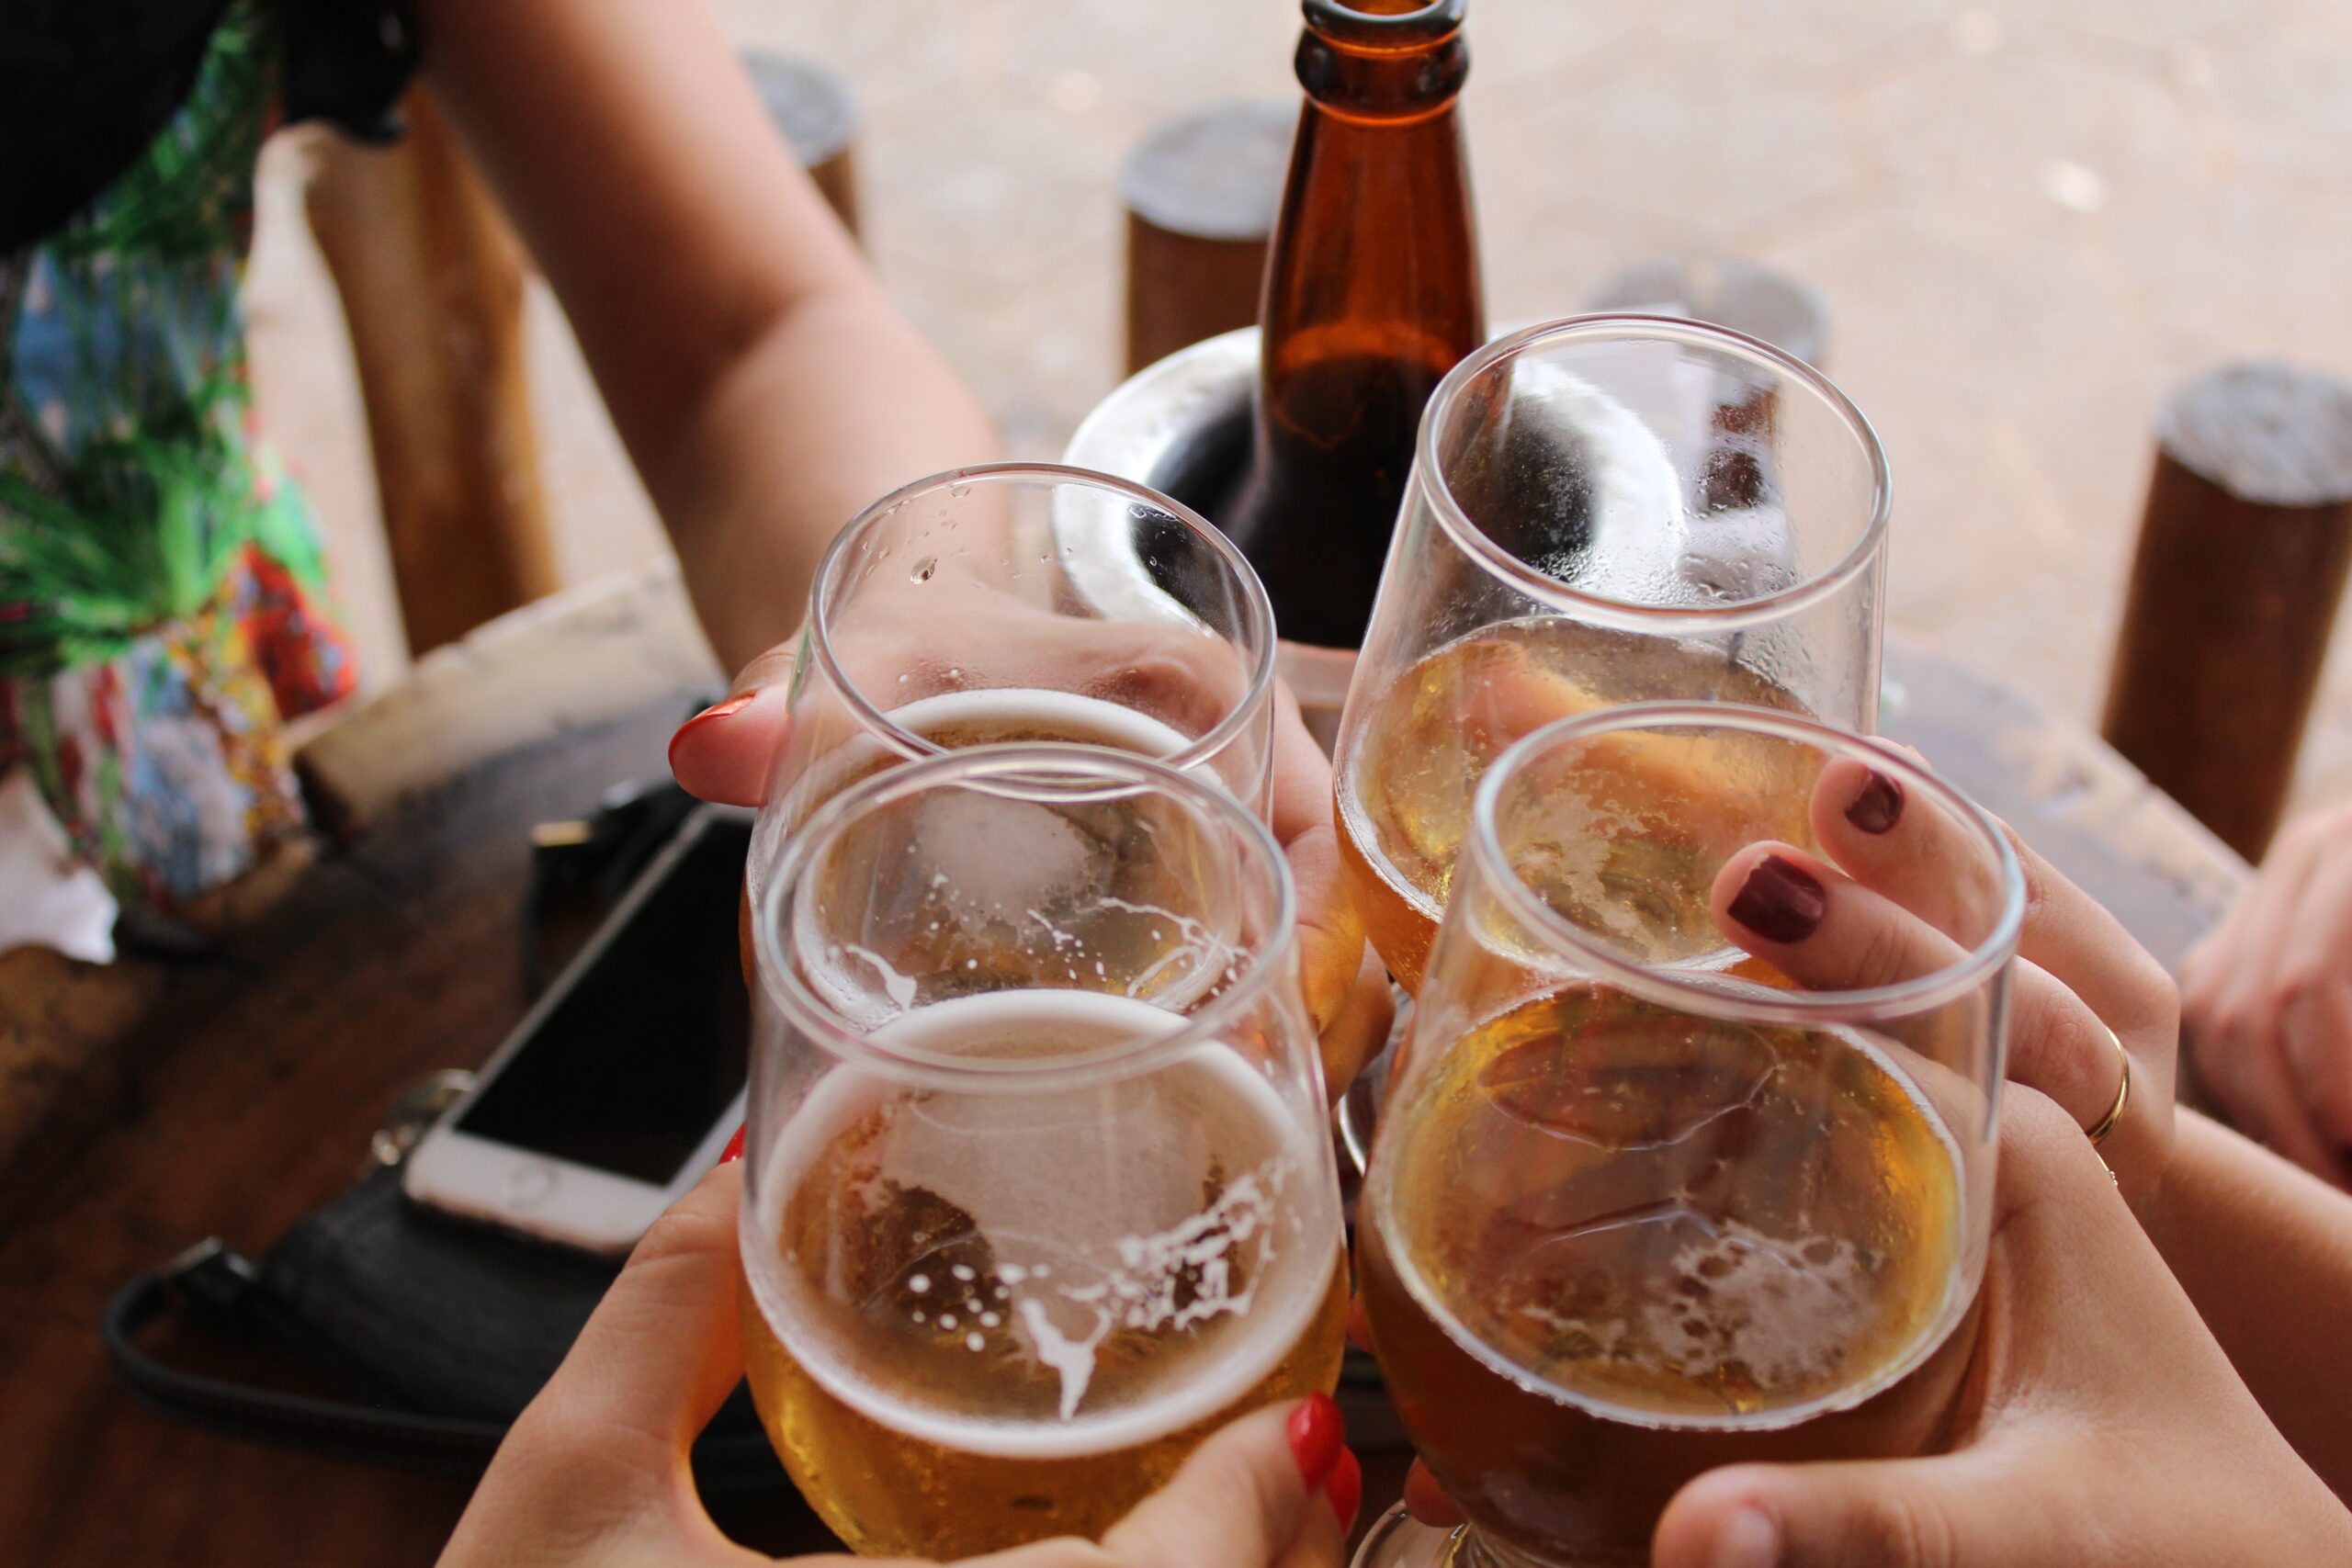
2265,1250
764,383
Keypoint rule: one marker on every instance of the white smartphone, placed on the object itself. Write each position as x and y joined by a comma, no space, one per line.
623,1084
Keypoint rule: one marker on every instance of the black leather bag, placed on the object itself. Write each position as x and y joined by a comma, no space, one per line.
430,1335
423,1337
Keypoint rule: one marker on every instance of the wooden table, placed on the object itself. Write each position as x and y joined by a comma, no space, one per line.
160,1104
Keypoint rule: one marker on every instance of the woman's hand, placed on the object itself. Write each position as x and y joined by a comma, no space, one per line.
2266,1000
2111,1428
594,1474
1902,890
724,753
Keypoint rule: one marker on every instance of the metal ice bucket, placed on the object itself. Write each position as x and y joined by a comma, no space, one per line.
1182,426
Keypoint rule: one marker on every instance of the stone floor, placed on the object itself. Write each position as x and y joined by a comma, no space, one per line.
2029,220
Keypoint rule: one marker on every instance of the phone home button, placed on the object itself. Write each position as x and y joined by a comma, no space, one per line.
529,1185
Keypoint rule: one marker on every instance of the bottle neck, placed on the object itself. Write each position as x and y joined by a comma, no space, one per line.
1375,251
1394,66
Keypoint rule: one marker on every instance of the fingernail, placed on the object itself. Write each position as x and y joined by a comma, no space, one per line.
1747,1541
1781,901
1318,1437
1879,807
1346,1489
709,716
734,1150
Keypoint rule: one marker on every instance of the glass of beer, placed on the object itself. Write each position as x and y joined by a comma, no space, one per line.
1640,1205
1039,1191
1026,601
1604,510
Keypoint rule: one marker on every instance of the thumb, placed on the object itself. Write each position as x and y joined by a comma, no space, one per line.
723,753
664,1348
1978,1510
1242,1501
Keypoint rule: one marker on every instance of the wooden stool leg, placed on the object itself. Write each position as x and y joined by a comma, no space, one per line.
1200,192
2243,558
432,281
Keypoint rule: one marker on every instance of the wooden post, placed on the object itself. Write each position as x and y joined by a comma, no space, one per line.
813,109
1200,193
432,282
2243,558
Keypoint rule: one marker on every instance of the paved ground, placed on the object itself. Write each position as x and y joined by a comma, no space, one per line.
2028,218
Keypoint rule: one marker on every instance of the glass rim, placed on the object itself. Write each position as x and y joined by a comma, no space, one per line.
1626,613
1038,770
1669,987
1258,611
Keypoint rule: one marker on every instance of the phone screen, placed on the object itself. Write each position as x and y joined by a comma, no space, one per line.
630,1070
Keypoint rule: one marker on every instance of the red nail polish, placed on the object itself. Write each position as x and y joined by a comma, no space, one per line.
1346,1489
1318,1437
1781,901
708,716
734,1150
1879,807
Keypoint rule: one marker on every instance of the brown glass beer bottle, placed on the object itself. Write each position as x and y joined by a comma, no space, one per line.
1371,296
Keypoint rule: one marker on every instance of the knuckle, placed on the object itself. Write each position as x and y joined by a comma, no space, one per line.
1883,955
1904,1529
2299,981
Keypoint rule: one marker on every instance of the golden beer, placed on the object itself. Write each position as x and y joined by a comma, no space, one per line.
1406,785
1607,1246
994,1319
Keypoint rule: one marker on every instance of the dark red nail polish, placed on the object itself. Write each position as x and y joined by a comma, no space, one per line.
1318,1437
1346,1489
1879,807
1781,901
734,1150
710,715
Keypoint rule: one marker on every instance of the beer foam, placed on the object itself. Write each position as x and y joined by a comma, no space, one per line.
1099,1229
1065,715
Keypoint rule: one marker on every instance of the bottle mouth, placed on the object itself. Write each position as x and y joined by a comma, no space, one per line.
1383,24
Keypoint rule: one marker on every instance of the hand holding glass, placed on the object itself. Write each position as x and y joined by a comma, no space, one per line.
1638,1205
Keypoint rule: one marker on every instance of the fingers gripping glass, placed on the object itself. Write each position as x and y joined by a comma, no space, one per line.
1689,1158
1016,602
1039,1187
1604,510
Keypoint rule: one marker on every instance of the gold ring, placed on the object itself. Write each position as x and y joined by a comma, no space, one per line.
2097,1134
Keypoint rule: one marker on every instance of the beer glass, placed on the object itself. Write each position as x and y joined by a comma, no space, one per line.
1026,601
1604,510
1038,1188
1639,1206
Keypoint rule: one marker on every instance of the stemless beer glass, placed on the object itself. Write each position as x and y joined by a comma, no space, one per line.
1038,1188
1026,601
1639,1206
1604,510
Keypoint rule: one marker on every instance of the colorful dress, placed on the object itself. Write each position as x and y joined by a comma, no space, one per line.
162,596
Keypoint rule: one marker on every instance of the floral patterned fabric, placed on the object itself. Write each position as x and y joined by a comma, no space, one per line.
161,589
